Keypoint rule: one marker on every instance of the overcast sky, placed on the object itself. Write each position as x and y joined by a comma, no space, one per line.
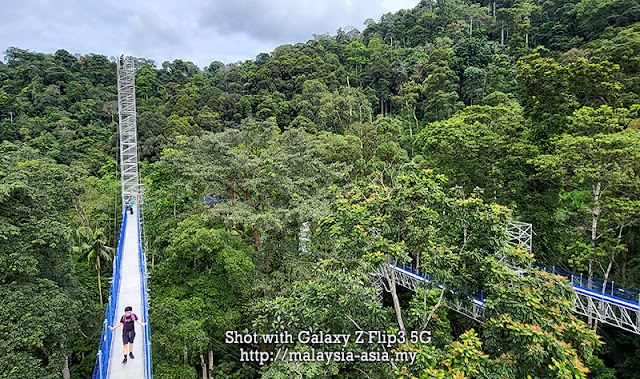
197,30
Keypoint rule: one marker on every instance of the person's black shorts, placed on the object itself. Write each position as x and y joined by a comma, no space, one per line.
127,337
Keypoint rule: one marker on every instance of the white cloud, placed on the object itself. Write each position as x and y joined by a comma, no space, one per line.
292,20
200,31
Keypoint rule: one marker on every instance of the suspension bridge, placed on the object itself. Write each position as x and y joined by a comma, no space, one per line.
129,279
606,302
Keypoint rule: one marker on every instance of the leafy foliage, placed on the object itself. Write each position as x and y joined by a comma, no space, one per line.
426,125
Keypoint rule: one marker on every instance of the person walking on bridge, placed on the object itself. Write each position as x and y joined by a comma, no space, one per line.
128,331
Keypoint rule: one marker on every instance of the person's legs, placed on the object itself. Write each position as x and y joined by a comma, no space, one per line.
132,336
127,341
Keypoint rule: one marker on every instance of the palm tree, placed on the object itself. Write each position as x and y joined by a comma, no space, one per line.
92,246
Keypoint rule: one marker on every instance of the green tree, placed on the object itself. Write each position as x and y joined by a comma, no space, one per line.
619,46
147,84
600,157
544,95
532,329
358,55
333,296
271,180
440,86
478,14
199,290
481,146
501,74
91,245
523,14
474,82
405,221
181,126
409,96
37,275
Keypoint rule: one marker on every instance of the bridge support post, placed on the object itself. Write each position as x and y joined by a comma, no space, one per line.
100,364
127,128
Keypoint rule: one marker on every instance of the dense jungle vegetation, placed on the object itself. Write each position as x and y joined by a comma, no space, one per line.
413,140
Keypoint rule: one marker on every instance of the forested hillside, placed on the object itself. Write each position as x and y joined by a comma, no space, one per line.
413,140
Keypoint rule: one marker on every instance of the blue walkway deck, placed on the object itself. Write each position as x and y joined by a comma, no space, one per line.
129,288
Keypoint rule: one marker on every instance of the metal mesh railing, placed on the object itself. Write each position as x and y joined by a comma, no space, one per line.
145,304
596,284
101,367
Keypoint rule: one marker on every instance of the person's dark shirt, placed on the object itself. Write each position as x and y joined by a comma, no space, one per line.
129,322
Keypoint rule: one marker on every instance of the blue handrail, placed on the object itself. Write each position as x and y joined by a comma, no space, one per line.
410,267
145,305
101,367
614,293
596,284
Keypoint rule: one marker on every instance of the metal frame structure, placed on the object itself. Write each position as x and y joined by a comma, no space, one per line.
378,286
519,234
472,308
131,191
607,309
615,306
128,132
611,304
304,242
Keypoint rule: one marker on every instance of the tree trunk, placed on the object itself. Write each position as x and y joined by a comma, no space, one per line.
415,117
594,237
203,364
624,258
66,374
80,210
413,111
604,286
174,206
185,355
391,279
256,245
210,363
606,276
594,227
256,238
65,368
99,284
357,79
502,35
